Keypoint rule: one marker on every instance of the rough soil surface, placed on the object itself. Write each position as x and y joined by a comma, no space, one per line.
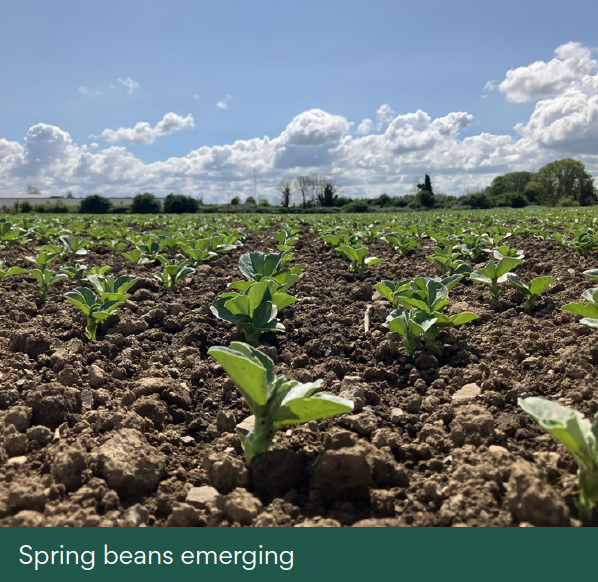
138,428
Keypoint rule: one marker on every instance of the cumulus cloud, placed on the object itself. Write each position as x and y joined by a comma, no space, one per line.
365,126
568,121
371,161
540,79
223,103
130,84
144,133
385,115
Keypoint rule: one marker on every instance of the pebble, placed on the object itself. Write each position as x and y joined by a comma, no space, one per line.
199,497
396,414
137,515
467,393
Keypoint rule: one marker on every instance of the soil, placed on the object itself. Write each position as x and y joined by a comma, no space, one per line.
138,427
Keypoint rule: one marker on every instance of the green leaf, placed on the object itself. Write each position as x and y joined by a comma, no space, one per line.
589,322
282,300
479,277
589,310
540,284
293,411
506,264
521,287
248,375
571,428
593,273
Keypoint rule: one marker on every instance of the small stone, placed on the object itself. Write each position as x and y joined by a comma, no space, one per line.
137,515
97,377
396,414
467,393
530,362
129,464
240,506
16,461
364,423
188,440
201,497
246,426
183,515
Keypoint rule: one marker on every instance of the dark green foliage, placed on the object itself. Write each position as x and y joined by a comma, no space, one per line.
235,201
566,179
146,203
179,204
475,200
249,200
426,199
95,204
357,206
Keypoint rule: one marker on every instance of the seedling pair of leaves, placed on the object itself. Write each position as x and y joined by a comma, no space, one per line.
400,242
112,294
494,274
532,291
255,311
424,300
580,437
359,259
173,271
449,261
274,401
257,266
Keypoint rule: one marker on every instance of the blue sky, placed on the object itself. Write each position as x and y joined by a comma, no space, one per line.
191,96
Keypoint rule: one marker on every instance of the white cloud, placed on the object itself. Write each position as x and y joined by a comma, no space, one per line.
83,90
144,133
223,103
365,126
540,79
385,115
130,84
568,121
391,159
490,85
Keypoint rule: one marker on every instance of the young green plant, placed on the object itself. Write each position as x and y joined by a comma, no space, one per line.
359,259
254,312
173,271
274,401
580,437
494,274
532,291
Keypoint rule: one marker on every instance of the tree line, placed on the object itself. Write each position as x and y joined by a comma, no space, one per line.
560,183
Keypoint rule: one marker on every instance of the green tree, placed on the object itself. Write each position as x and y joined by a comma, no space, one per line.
427,185
179,204
566,179
146,203
511,182
235,201
426,199
95,204
250,200
329,195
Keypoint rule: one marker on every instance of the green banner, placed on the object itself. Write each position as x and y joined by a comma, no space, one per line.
291,554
